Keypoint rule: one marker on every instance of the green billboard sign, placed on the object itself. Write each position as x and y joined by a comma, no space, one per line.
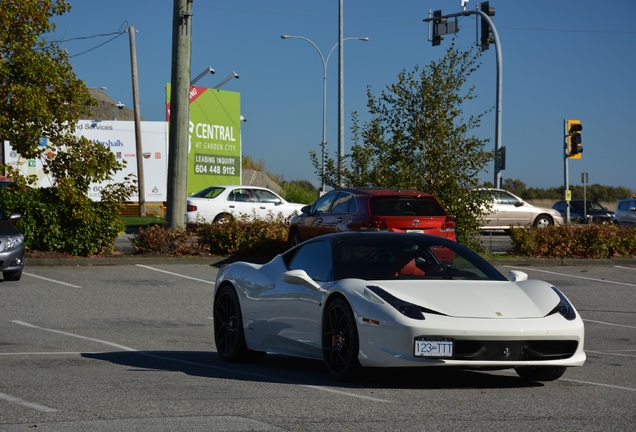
214,149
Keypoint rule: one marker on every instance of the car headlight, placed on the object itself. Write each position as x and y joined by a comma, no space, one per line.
14,241
564,308
405,308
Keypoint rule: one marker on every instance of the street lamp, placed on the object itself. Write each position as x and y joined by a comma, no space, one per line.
226,79
209,70
119,106
324,60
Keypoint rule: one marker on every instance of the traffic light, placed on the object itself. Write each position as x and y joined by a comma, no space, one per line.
574,139
437,20
485,27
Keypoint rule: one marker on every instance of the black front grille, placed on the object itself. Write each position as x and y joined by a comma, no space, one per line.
514,350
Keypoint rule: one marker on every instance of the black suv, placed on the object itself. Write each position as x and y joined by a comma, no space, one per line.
595,212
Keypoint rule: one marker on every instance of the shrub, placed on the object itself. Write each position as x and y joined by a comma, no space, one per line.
56,219
262,238
575,241
242,236
163,240
300,192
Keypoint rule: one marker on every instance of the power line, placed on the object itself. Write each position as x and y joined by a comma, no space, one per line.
122,29
96,46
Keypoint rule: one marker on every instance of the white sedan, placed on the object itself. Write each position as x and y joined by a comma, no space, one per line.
221,203
387,300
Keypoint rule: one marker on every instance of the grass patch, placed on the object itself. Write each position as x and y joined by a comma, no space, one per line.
142,221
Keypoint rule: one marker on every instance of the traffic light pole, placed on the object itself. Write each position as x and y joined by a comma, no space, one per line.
566,185
491,24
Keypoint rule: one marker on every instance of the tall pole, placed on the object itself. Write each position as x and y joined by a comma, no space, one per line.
325,61
499,100
179,114
141,188
566,180
340,93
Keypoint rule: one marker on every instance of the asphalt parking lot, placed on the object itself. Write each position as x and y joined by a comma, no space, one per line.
130,347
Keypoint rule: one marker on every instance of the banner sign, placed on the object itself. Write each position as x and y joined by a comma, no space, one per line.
214,147
119,137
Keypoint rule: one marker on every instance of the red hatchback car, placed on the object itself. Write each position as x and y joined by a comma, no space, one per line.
372,209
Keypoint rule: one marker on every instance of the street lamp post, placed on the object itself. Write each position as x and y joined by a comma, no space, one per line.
325,61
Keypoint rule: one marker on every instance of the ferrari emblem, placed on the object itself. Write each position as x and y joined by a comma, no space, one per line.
499,313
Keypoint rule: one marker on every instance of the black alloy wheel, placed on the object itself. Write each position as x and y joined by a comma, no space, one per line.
340,343
228,326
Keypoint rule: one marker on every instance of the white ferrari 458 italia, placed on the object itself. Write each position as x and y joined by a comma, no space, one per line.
394,300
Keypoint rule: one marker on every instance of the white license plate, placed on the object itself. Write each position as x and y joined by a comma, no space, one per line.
419,231
436,348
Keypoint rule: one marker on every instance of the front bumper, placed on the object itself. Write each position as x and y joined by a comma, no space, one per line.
12,260
478,343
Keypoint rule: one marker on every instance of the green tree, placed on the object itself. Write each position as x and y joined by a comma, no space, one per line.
419,138
41,100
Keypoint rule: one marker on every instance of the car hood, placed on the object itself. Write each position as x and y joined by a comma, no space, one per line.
477,299
8,229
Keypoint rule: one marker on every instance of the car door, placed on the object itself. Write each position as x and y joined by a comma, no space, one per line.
628,213
293,311
241,203
341,214
511,211
266,203
314,223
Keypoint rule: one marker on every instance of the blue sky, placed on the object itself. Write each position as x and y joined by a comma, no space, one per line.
566,59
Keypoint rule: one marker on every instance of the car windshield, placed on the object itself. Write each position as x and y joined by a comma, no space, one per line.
210,192
408,257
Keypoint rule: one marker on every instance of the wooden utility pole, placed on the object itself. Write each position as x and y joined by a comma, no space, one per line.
179,134
141,188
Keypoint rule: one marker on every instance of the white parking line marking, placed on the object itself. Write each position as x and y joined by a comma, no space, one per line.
175,274
609,324
575,276
51,353
327,389
51,280
143,353
24,403
610,353
598,384
121,347
625,268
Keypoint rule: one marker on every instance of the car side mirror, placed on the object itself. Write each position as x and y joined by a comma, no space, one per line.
306,210
517,276
300,277
519,203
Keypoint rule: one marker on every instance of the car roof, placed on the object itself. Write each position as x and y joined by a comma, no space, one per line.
378,191
348,235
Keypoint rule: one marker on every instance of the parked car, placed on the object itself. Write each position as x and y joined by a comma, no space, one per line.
222,203
11,247
508,210
372,209
625,214
358,300
585,211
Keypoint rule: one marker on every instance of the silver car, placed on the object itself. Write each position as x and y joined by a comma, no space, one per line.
625,214
508,210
